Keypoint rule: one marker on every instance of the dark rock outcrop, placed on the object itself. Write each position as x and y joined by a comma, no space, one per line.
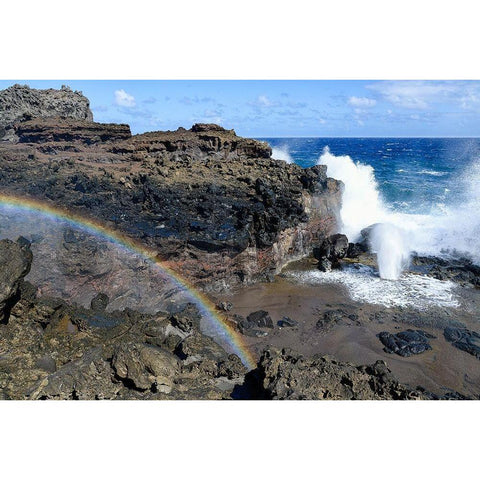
20,102
407,343
55,129
331,250
286,375
214,205
15,263
463,339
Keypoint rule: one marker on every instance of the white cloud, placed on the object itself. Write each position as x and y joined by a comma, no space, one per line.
362,102
322,121
264,101
421,95
123,99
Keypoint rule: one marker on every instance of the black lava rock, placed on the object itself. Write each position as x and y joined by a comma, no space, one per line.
463,339
407,343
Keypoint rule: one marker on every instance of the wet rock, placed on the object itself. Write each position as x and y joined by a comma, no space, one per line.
463,339
407,343
15,262
286,375
99,302
146,367
331,250
287,322
261,319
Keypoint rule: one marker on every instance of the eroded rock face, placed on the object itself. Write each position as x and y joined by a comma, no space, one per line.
289,376
15,262
57,129
20,102
214,205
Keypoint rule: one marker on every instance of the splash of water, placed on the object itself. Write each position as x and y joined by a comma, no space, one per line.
390,243
282,153
452,230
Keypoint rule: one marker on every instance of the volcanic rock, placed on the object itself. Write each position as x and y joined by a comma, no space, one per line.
54,129
286,375
463,339
407,343
214,205
261,319
15,262
19,103
331,250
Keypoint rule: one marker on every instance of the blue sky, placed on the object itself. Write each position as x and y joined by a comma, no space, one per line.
286,108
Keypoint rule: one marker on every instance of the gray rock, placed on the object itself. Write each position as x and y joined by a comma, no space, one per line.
20,102
146,367
407,343
15,262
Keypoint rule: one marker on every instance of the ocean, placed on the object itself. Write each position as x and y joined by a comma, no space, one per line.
422,195
428,187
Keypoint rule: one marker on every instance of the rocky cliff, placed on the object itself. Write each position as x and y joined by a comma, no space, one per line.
216,206
19,102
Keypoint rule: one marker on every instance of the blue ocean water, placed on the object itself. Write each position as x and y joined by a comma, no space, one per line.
414,175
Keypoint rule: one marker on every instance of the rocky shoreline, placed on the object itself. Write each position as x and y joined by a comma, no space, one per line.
219,211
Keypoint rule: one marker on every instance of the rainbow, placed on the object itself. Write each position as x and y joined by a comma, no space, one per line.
206,307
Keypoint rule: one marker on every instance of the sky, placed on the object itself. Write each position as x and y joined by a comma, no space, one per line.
286,108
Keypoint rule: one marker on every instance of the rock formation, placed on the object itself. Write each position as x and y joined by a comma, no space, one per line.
19,103
216,206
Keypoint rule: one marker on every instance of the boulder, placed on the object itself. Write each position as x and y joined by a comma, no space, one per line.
407,343
261,319
463,339
145,367
99,302
331,250
15,263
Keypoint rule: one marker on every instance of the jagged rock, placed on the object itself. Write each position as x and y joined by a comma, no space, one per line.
286,375
331,250
407,343
15,263
99,302
19,103
261,319
145,366
87,378
463,339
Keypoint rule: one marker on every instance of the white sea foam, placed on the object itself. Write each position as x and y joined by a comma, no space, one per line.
282,153
433,173
452,229
364,285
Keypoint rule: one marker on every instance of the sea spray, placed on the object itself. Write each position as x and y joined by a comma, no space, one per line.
282,153
390,244
361,202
